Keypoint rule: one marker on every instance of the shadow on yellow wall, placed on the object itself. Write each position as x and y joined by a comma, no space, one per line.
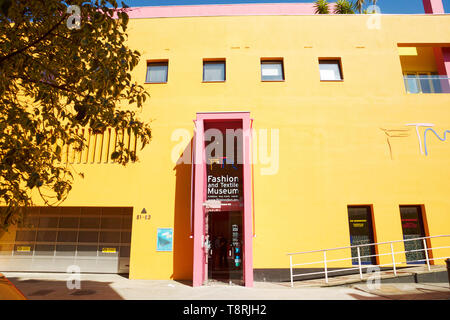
183,245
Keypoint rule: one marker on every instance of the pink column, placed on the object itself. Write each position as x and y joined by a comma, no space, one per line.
433,6
248,221
199,181
443,60
442,56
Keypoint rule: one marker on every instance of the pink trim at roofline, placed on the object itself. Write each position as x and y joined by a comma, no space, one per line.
251,9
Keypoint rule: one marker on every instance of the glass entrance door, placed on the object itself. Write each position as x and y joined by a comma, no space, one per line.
412,225
361,232
225,252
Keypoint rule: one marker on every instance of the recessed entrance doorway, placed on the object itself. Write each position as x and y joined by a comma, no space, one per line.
225,254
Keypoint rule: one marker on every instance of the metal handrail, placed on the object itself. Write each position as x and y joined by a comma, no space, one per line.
434,77
360,266
368,244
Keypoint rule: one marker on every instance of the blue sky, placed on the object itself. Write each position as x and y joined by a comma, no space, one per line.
387,6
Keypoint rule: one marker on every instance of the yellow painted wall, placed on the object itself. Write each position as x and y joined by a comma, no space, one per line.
333,151
423,61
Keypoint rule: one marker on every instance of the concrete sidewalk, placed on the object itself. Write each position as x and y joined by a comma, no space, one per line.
53,286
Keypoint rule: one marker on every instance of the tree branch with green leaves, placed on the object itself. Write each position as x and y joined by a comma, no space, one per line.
55,81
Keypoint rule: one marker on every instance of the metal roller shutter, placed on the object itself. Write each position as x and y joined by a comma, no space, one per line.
95,239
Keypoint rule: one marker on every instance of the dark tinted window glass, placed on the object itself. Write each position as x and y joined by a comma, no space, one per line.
361,232
127,221
89,223
110,237
65,250
412,226
30,222
25,235
47,236
111,223
67,236
48,222
125,251
125,237
88,236
87,250
68,222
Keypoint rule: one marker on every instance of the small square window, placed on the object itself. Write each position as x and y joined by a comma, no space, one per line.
330,70
272,70
157,72
213,71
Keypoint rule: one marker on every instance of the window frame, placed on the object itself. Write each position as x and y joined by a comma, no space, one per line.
159,62
339,63
423,222
372,231
273,61
214,61
419,83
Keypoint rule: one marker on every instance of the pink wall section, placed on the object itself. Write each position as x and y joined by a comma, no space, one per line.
253,9
224,10
443,60
199,181
433,6
446,60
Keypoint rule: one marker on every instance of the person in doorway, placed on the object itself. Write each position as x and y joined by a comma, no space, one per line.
216,252
223,248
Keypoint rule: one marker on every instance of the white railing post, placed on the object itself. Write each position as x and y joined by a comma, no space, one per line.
393,259
426,254
359,263
429,259
292,277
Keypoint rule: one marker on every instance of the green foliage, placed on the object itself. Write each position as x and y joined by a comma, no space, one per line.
344,7
54,81
359,4
321,7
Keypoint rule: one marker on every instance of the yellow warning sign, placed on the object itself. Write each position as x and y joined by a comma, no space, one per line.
23,249
109,250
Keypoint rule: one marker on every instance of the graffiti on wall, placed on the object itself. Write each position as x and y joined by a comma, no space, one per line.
395,133
406,132
424,147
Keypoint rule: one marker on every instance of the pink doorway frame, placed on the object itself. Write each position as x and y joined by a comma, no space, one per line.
199,196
